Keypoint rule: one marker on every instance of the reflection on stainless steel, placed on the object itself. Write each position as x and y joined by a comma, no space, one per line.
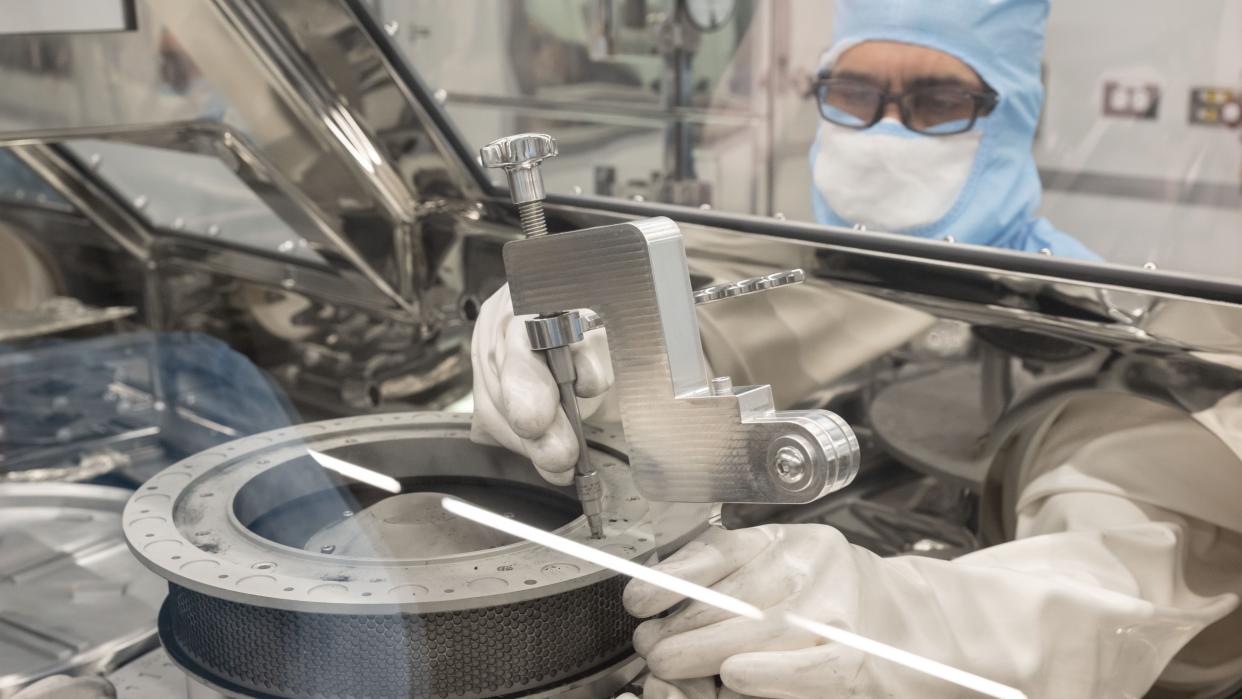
224,528
687,444
730,604
285,199
53,316
71,598
89,197
154,676
262,62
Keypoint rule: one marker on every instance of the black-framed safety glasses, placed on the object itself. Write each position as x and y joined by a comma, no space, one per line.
933,110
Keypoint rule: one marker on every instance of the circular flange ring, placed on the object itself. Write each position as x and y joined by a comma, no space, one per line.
184,523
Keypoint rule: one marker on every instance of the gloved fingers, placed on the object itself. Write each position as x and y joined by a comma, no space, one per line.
593,365
656,688
489,426
707,560
647,635
753,584
820,671
556,450
700,653
530,399
486,346
557,477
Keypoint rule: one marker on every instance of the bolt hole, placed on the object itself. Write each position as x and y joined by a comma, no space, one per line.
531,582
144,511
152,487
223,576
366,594
288,589
470,307
176,558
449,590
149,535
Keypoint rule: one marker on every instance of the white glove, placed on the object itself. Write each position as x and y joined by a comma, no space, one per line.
516,402
1061,615
705,688
66,687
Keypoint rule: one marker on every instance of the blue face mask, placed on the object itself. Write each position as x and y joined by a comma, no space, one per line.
1003,41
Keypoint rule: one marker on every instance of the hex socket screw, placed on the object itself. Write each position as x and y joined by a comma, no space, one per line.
519,156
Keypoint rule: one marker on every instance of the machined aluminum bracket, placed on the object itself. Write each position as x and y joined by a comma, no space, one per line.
687,442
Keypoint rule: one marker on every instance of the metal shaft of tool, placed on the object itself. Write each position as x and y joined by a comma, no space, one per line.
590,491
519,156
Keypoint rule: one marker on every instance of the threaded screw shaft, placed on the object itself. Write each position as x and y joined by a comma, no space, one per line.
534,223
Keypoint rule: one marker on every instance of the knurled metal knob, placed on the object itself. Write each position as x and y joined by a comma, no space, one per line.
519,156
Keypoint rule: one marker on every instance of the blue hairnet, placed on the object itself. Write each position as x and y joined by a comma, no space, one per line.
1003,41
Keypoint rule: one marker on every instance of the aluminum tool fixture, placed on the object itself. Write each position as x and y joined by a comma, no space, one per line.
553,333
692,438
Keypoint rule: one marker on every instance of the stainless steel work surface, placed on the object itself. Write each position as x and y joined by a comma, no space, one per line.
72,597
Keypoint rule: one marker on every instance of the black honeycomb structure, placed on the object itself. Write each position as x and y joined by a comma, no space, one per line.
484,652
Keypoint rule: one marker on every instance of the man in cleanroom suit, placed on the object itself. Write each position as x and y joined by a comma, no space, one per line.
1123,557
929,115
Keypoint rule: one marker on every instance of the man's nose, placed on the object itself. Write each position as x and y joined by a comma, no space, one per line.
892,111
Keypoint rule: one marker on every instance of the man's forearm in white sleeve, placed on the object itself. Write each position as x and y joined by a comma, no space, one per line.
1147,516
1102,589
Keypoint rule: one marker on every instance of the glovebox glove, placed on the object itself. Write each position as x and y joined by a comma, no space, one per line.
516,401
66,687
1068,615
705,688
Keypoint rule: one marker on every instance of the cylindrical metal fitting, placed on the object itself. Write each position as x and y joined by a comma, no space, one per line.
557,330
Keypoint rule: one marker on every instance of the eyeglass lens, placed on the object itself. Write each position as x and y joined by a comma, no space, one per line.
935,110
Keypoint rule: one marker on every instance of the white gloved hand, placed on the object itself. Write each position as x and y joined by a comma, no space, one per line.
516,401
66,687
1058,615
704,688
